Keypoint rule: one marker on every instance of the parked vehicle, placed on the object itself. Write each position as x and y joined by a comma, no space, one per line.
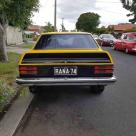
66,59
96,37
127,43
107,39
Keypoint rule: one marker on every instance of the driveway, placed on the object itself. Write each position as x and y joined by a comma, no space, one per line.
16,49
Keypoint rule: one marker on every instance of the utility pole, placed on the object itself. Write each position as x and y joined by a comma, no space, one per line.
62,25
55,16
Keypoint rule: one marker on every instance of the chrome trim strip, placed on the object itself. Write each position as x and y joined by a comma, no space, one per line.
65,81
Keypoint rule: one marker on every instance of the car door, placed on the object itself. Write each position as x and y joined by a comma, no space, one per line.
124,42
119,43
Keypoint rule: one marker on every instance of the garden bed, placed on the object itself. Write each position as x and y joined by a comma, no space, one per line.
9,90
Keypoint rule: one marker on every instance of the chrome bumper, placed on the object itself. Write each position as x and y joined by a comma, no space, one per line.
65,81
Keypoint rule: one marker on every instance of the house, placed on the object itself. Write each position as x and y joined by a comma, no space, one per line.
35,28
122,27
32,32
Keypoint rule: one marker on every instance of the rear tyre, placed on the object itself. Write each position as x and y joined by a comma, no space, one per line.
97,89
33,89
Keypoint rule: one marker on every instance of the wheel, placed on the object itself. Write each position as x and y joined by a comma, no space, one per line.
126,51
97,89
33,89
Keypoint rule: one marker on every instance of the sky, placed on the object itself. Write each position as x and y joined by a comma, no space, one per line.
111,12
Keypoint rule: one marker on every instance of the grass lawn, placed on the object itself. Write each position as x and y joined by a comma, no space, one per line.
28,46
8,73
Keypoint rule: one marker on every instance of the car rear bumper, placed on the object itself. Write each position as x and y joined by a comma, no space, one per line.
65,81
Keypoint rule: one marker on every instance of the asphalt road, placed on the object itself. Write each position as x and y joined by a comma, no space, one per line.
74,111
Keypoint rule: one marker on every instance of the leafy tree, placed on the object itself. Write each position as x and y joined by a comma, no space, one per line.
110,29
48,28
63,28
74,30
101,30
131,6
16,13
88,22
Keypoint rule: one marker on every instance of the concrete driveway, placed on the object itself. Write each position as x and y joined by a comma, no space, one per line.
16,49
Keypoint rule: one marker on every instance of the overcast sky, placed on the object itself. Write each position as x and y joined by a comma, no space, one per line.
111,11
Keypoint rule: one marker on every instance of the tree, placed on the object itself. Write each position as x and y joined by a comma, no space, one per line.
131,6
63,29
16,13
88,22
48,28
101,30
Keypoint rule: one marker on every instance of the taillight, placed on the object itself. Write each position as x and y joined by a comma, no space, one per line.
28,70
103,69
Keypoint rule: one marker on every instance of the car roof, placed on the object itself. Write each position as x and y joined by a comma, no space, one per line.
65,33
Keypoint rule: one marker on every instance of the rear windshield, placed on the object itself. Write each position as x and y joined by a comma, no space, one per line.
132,37
70,41
109,36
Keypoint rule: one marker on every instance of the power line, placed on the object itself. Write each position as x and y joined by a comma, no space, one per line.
108,2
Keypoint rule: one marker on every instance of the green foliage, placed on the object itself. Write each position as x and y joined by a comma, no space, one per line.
48,28
88,22
6,93
8,71
101,30
17,12
131,6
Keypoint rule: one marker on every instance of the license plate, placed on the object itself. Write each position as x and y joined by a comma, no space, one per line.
65,71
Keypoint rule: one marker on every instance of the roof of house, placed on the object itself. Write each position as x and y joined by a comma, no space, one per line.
35,28
123,27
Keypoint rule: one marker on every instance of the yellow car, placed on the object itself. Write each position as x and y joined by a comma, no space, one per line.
66,59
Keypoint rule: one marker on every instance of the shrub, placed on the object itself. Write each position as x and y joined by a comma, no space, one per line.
6,94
